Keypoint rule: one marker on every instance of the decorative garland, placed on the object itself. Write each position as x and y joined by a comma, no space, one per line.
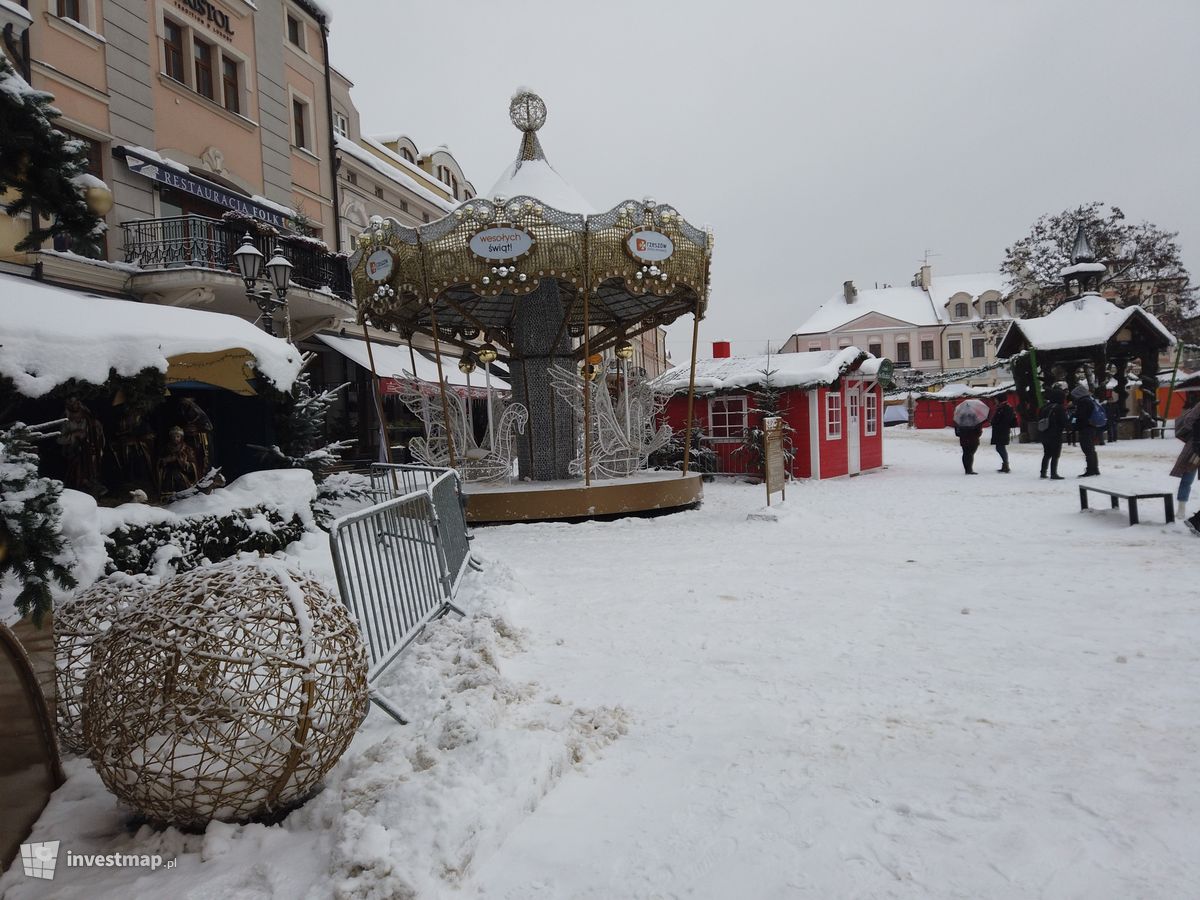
917,384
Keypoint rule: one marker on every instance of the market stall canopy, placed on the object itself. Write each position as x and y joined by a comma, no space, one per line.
50,335
788,370
1087,321
640,264
394,362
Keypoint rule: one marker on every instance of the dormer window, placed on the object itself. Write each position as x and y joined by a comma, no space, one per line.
960,310
991,308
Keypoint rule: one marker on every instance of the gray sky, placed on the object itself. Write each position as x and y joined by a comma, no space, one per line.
821,141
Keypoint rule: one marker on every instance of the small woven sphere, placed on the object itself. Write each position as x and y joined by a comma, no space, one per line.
527,111
235,690
79,621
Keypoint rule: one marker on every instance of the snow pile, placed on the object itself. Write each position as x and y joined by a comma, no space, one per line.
788,370
957,390
50,335
409,812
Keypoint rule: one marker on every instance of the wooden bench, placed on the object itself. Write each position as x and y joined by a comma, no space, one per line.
1116,497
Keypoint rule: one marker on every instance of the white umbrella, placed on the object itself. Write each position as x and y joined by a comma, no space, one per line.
971,412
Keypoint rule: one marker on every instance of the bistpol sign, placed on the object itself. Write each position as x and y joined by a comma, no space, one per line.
650,246
379,265
501,243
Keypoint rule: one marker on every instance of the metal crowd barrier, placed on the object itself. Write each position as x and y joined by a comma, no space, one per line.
399,562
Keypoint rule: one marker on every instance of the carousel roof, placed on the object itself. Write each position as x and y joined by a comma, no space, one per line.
614,274
1087,321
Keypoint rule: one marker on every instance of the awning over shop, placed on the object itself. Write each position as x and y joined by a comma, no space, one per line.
392,362
50,335
176,175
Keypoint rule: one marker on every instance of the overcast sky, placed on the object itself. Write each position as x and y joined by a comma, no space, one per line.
821,141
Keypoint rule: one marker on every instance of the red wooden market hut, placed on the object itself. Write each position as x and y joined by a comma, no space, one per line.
830,398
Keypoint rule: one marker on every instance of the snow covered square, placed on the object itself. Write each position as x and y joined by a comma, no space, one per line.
906,684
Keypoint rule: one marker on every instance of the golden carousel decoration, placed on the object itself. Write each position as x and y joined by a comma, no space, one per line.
539,285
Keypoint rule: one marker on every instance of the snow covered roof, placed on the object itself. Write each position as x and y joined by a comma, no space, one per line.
394,362
49,335
537,178
1087,322
392,172
957,391
790,370
905,303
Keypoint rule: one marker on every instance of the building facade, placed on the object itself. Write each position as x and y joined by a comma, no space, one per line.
208,120
935,324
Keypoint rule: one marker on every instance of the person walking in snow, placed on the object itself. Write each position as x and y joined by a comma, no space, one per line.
1085,404
1055,417
1003,421
1187,429
968,439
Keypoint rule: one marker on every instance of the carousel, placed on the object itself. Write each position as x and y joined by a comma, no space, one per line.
534,287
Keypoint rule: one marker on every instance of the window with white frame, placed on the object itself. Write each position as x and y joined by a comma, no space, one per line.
341,124
727,417
871,411
813,346
833,416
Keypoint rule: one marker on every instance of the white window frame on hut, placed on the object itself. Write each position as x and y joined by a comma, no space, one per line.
833,416
733,420
871,413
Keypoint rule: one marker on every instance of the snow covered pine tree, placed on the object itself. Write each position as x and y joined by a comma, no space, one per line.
765,400
45,167
31,541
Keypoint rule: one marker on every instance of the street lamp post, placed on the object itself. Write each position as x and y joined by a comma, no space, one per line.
278,270
624,351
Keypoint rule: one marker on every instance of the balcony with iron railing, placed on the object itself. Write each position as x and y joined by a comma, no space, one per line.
197,241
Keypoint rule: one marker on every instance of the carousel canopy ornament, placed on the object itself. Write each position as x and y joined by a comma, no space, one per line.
641,262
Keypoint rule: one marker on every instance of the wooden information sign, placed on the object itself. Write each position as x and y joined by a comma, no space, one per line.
773,456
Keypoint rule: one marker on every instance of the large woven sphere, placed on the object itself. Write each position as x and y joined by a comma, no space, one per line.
236,688
79,621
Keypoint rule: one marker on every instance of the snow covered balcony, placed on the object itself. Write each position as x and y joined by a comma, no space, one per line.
188,261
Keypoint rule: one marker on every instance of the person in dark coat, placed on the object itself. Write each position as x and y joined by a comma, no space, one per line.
968,439
1004,419
1052,437
1085,403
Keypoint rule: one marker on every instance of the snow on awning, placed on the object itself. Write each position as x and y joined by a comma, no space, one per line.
788,370
49,335
958,391
392,362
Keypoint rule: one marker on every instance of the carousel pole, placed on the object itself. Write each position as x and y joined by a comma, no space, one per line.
383,434
487,380
587,396
412,361
625,375
437,353
687,439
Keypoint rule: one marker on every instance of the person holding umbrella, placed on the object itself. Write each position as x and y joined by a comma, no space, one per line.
969,417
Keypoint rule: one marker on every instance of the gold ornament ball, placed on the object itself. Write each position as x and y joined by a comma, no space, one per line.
99,200
486,354
227,695
624,350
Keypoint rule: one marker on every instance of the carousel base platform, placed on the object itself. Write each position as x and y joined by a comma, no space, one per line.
647,493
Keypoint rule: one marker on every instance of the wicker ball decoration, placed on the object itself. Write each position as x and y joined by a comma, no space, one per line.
238,688
79,621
